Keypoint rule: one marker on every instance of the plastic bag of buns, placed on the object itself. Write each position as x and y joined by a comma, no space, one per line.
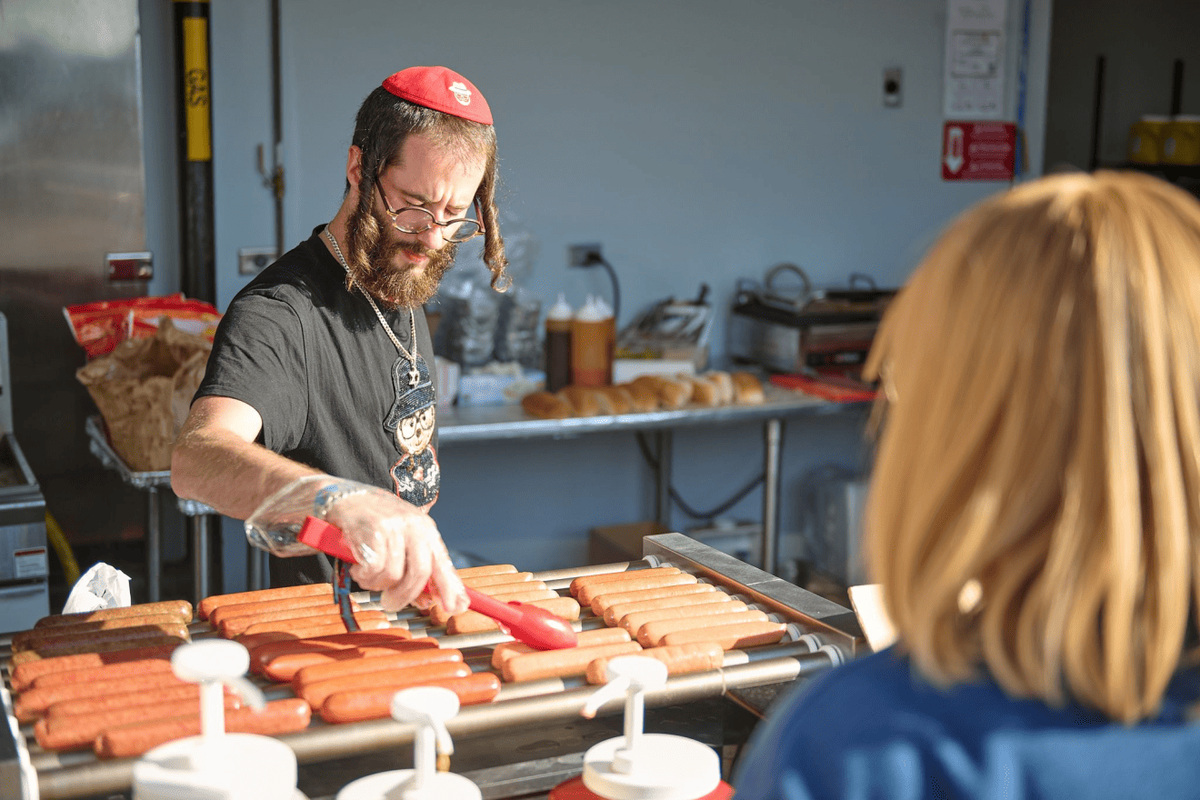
143,389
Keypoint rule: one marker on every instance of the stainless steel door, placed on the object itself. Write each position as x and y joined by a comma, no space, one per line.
72,189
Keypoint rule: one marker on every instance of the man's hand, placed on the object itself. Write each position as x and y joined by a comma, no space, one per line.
398,547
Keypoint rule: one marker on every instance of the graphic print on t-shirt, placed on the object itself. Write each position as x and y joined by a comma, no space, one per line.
417,478
410,421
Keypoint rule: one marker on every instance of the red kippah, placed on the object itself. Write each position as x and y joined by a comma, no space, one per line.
442,90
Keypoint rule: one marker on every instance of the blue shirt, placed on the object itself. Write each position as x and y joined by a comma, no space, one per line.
875,729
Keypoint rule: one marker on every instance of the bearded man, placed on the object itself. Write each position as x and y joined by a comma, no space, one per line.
318,397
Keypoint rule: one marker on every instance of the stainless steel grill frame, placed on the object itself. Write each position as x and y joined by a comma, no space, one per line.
825,633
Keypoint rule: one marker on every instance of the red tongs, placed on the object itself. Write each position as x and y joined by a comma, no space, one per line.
534,626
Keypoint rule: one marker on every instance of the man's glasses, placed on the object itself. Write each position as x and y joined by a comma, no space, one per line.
412,219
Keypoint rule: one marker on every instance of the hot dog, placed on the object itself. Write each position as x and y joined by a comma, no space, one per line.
438,615
232,627
145,666
281,593
474,622
486,569
561,663
590,592
506,650
262,654
427,606
29,705
355,705
481,581
26,640
315,673
108,702
79,649
316,692
680,659
80,730
616,577
634,622
617,611
222,613
320,630
283,668
365,620
176,608
259,639
601,602
23,675
503,590
652,633
57,638
279,717
731,637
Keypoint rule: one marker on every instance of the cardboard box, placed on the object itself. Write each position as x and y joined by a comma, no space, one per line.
688,360
626,369
613,543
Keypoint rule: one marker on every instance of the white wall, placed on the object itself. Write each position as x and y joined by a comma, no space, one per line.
698,142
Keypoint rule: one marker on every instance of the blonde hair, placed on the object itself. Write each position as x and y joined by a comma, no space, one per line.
1039,444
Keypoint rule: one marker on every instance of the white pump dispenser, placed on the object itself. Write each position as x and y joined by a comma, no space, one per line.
216,765
430,708
645,766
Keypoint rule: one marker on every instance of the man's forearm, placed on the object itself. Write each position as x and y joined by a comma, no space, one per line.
231,475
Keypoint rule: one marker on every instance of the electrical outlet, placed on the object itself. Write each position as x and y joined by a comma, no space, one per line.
583,255
892,87
252,260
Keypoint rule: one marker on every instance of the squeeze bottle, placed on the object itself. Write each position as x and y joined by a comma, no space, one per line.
593,340
558,345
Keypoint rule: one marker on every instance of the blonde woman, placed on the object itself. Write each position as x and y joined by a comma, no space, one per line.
1034,516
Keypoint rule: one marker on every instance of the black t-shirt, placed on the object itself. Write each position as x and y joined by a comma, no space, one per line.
314,361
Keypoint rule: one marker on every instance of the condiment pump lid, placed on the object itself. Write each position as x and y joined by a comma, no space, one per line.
217,765
561,310
430,708
594,310
645,766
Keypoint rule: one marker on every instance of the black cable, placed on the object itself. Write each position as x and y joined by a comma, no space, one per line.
683,506
592,259
728,504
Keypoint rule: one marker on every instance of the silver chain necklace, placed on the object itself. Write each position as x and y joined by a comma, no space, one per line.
414,377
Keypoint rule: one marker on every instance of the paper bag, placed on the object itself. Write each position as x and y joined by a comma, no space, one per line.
143,389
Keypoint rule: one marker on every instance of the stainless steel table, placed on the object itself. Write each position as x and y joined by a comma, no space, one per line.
493,423
496,423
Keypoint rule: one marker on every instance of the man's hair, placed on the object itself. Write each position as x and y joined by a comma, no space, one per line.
1034,513
382,124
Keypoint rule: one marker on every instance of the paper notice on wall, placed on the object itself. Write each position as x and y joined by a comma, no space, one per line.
974,70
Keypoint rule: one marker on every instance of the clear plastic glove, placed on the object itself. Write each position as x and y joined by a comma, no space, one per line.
397,545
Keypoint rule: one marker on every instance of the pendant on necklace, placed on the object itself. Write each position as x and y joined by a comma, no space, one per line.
413,415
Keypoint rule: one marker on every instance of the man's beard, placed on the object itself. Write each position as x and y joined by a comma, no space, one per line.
400,286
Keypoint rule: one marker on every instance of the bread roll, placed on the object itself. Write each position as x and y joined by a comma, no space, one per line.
619,397
547,405
724,385
674,394
671,393
643,397
586,401
704,391
746,389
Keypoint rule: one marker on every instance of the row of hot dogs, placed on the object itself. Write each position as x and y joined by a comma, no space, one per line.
103,680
